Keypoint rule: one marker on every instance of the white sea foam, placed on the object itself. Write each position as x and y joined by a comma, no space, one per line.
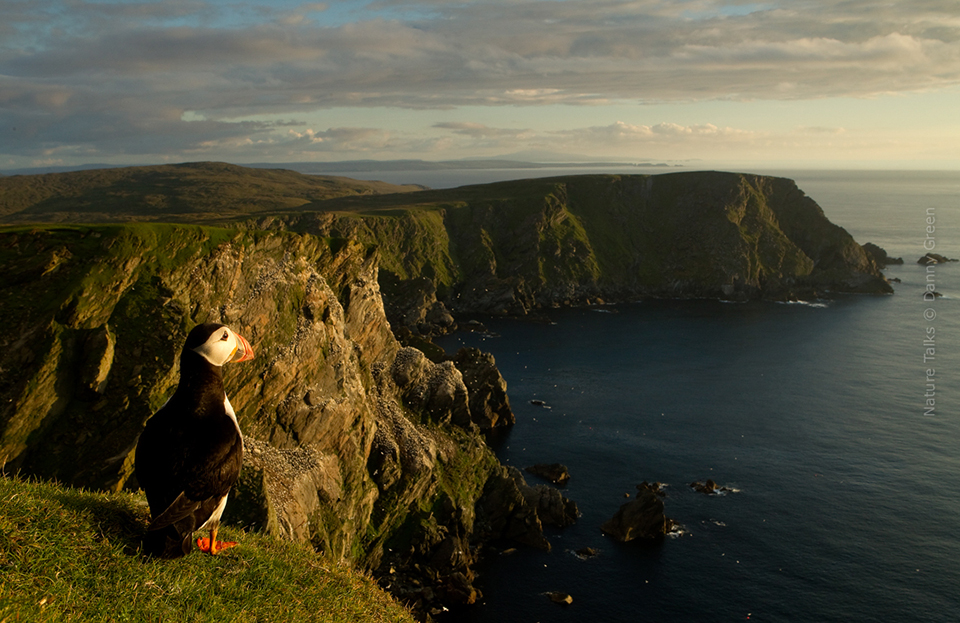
817,303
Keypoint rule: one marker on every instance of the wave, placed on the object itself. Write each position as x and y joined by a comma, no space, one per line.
817,303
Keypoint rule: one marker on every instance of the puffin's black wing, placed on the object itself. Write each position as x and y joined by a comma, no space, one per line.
211,464
185,465
202,471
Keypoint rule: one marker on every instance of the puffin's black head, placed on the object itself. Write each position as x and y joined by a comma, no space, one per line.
218,344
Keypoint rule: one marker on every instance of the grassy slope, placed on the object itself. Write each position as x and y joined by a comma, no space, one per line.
70,555
194,191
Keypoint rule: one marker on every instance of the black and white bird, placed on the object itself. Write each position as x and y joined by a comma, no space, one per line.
189,455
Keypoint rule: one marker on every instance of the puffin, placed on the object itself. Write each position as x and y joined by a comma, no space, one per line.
190,451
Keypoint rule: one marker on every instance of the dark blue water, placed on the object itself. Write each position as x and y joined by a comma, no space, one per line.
848,506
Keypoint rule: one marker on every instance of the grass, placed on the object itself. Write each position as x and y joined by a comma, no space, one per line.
72,555
190,191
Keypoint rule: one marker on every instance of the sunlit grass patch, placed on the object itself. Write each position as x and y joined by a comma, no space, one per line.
71,555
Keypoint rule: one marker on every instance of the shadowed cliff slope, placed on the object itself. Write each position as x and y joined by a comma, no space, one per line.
514,247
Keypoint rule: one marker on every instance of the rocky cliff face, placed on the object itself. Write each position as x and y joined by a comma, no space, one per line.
353,441
515,247
506,248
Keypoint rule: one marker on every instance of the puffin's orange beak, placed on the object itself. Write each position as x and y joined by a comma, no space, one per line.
244,350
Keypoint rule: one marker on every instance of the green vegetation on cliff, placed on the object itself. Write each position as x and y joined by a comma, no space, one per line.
70,555
511,247
184,192
508,247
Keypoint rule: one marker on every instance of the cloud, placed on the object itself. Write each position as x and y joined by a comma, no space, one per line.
480,131
621,132
345,139
108,76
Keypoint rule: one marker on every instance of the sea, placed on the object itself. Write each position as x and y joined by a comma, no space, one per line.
834,423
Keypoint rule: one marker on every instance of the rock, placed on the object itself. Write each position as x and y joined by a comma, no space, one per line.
98,351
503,512
554,509
641,518
934,258
250,505
707,487
585,552
412,304
556,473
488,401
438,319
557,597
280,490
655,487
436,389
512,509
458,589
449,555
880,256
474,326
710,488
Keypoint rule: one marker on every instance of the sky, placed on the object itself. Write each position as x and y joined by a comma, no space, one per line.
722,83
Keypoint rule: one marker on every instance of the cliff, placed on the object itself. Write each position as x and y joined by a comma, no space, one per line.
510,247
354,443
515,247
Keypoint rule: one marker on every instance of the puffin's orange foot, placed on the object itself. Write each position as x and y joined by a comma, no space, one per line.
204,544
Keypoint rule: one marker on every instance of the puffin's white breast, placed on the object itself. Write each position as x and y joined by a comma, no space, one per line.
233,415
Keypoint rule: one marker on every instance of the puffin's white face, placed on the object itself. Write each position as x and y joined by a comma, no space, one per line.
224,346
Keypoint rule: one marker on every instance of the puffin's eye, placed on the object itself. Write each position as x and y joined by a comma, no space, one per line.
224,337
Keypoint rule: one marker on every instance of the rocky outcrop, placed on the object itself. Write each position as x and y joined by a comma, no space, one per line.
879,255
934,258
433,564
362,447
489,403
413,304
435,389
557,473
552,508
585,553
709,487
559,597
512,510
641,518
